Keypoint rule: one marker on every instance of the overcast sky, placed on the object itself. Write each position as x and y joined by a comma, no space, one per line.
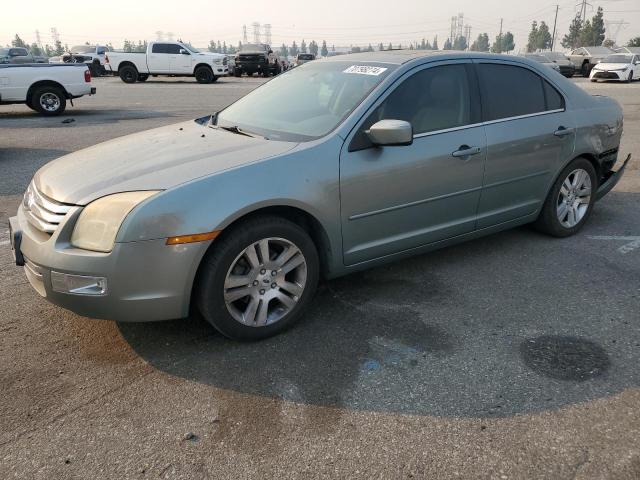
339,22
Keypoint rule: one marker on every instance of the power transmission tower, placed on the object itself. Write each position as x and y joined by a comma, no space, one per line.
55,35
613,27
267,33
244,34
256,32
39,40
460,24
500,37
454,26
467,35
583,9
555,21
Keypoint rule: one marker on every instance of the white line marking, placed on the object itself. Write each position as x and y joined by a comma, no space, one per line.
633,242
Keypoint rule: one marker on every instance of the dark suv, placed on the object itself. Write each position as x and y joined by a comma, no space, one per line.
257,58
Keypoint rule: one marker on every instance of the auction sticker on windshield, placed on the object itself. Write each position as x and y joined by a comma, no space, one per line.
365,70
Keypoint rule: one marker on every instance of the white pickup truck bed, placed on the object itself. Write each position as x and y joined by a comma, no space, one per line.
44,87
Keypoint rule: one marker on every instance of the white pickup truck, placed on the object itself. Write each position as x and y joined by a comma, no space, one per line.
44,87
168,58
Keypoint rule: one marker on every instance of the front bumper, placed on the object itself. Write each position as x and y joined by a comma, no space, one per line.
608,75
146,281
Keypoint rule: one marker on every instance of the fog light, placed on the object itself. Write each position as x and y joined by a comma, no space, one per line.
78,284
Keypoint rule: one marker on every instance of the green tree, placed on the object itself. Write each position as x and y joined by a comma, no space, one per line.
634,42
587,35
597,26
323,51
423,44
35,49
48,51
313,48
447,45
460,43
544,37
572,38
18,42
369,48
481,44
212,46
435,43
303,46
390,47
380,47
284,51
294,49
532,40
224,47
609,43
504,43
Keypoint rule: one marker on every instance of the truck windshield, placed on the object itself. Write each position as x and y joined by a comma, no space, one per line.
83,49
191,49
305,103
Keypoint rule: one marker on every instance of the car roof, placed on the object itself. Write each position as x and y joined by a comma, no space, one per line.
400,57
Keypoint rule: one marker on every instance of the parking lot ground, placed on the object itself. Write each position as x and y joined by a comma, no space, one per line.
512,356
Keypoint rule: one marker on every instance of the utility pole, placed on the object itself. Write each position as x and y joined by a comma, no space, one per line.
583,9
500,37
553,38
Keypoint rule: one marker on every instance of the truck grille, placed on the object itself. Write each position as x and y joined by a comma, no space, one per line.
42,212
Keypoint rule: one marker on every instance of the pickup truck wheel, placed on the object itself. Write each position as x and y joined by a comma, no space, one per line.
257,279
142,77
204,75
570,201
48,101
129,74
237,73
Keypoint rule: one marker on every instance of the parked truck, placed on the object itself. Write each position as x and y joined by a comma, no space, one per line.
44,88
257,58
585,58
93,55
175,59
20,55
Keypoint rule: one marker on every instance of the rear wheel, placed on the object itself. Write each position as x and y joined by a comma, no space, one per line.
258,279
204,75
48,100
570,201
585,69
128,74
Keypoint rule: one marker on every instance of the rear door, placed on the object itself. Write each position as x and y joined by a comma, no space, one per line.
530,135
158,58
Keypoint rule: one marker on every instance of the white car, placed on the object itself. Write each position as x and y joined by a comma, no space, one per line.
168,58
43,87
623,67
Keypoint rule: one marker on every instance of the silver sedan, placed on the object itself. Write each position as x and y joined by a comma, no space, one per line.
333,167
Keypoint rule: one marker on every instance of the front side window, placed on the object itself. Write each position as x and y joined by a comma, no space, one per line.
433,99
511,91
174,48
19,52
307,102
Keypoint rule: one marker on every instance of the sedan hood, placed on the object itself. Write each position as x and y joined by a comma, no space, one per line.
153,160
612,66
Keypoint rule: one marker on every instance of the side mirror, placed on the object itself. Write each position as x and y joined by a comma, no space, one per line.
390,133
184,52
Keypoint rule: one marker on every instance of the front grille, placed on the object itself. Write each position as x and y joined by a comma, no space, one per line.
225,61
42,212
606,75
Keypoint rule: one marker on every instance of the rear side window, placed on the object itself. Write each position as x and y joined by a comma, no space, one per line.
510,91
159,48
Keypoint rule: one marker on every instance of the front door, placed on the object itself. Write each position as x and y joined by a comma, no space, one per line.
180,62
529,136
398,198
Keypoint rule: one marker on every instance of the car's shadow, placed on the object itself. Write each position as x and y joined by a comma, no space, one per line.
512,323
75,116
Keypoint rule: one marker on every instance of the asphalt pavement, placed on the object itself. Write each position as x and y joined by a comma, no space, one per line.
512,356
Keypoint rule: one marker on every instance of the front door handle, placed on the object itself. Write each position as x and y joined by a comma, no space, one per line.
562,131
466,151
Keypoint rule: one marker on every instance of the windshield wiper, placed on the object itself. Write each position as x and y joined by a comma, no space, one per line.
235,129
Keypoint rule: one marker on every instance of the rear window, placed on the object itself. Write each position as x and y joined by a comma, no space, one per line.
511,91
159,48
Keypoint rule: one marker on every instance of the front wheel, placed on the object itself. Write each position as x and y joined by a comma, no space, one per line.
204,75
570,201
257,279
143,77
48,101
630,77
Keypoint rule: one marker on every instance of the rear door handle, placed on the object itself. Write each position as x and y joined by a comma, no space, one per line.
466,151
562,131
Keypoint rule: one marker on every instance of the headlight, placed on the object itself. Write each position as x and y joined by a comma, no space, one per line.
619,69
99,222
218,61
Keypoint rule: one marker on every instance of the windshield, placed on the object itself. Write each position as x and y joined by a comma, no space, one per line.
253,47
307,102
305,56
190,48
538,58
617,59
83,49
555,56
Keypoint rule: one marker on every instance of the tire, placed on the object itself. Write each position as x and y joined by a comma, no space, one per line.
94,69
128,74
143,77
204,75
227,257
585,70
630,77
593,80
48,100
237,73
549,220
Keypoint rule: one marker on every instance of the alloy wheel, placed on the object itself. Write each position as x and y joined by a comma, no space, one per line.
49,102
265,282
574,198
